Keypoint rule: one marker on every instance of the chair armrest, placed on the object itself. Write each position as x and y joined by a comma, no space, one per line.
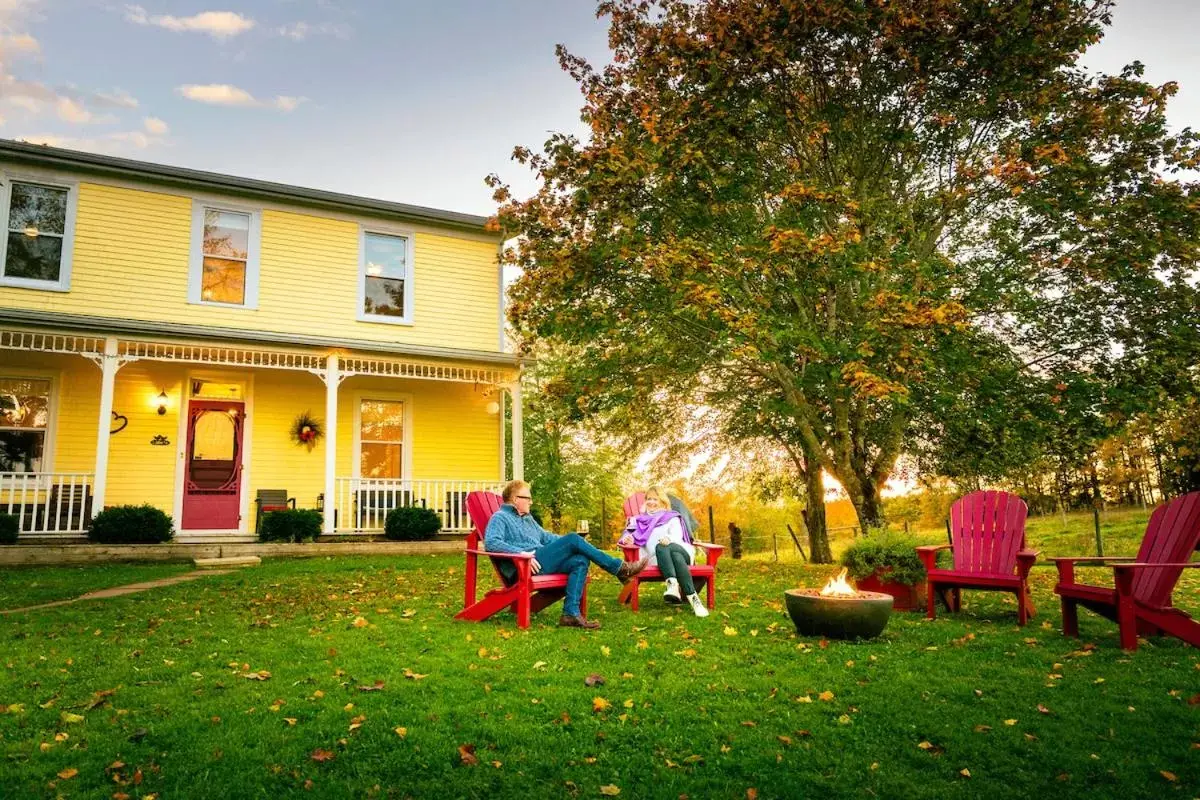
1066,564
712,552
511,556
1025,561
630,551
928,554
1144,565
292,503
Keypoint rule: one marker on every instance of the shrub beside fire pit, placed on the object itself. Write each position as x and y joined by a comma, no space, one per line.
886,563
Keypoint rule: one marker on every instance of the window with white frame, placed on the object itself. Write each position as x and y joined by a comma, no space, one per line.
224,258
381,439
24,423
37,241
385,277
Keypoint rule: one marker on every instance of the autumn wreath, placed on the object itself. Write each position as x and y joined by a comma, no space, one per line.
306,430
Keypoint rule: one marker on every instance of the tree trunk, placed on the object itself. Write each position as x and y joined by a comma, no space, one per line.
867,505
814,517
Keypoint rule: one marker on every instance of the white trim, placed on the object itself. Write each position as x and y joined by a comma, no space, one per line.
185,398
52,405
406,441
409,255
196,255
63,284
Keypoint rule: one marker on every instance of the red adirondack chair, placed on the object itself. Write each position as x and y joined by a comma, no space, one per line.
529,593
987,533
702,574
1140,603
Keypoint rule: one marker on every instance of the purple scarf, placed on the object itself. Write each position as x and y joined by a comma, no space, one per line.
643,525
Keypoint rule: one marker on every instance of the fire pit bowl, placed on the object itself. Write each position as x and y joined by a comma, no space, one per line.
863,615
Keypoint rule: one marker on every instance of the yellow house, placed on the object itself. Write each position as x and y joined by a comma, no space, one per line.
165,332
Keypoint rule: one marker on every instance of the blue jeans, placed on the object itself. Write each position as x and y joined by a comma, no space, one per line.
571,555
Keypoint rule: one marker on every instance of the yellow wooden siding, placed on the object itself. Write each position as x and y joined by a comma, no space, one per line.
140,472
276,462
77,404
130,261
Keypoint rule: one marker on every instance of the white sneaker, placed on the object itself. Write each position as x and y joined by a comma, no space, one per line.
671,593
697,605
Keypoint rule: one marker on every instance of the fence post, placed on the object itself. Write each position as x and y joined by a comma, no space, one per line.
775,544
1096,522
712,530
603,521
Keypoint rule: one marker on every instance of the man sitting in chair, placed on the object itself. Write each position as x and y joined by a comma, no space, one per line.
513,529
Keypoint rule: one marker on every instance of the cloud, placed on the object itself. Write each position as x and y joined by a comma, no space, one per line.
71,111
222,94
299,31
155,125
217,24
20,44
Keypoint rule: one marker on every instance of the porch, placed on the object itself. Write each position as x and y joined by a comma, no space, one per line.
203,431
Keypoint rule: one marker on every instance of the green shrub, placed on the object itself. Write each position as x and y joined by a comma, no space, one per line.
8,528
882,551
411,524
290,525
142,524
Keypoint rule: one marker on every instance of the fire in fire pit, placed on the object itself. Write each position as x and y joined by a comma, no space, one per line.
838,611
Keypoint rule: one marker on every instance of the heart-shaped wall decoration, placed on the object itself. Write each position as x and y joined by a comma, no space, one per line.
121,420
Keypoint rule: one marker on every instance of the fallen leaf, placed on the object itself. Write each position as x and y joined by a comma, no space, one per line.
539,664
643,644
610,790
1010,722
1192,701
749,724
375,687
600,704
804,699
357,722
595,679
982,728
687,653
1168,775
360,622
401,731
408,673
466,754
69,718
628,703
752,794
825,696
966,773
68,773
261,675
61,737
1042,709
605,651
320,756
1029,737
291,721
730,631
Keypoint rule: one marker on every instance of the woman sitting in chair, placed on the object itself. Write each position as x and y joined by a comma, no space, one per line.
661,536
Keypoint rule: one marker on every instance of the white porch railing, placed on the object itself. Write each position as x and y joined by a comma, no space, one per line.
362,504
49,504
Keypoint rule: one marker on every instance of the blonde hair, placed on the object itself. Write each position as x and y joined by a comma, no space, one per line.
660,493
511,488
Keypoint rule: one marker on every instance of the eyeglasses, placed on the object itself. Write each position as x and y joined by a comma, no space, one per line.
524,497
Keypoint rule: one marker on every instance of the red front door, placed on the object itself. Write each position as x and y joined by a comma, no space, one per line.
212,481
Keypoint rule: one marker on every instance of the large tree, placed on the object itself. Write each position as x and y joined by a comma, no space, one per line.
830,219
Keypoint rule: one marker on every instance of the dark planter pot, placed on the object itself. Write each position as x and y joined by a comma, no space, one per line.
863,616
906,598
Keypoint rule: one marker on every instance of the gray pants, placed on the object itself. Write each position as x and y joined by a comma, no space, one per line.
673,562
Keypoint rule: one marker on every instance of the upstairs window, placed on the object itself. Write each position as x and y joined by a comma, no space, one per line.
38,236
385,277
224,258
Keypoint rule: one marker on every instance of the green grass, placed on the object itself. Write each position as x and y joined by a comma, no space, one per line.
28,586
708,708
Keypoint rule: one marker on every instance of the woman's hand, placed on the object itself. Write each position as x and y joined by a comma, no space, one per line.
625,541
664,541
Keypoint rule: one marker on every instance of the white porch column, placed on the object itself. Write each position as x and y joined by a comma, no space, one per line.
518,437
109,364
332,379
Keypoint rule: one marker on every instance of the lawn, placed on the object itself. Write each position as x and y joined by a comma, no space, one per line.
348,678
28,586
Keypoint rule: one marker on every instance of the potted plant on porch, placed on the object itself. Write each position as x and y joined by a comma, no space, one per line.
883,562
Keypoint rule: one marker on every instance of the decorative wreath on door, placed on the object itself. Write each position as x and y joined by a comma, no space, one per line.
307,430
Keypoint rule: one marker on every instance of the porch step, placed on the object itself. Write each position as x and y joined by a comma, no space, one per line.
230,561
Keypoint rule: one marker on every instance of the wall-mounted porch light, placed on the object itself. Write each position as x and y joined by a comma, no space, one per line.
493,408
162,403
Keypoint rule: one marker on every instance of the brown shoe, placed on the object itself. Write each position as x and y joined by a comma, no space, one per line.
630,568
568,621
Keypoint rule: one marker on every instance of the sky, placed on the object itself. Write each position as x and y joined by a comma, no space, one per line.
414,101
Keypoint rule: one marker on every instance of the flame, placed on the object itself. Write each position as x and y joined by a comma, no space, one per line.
837,587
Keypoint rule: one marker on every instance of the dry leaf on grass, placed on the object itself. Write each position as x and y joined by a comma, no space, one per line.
68,773
600,704
610,790
375,687
595,679
320,755
466,755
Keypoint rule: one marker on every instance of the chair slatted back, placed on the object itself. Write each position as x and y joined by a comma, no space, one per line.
480,507
1171,535
633,504
987,530
272,499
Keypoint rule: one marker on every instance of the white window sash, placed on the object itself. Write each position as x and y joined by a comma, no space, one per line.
196,254
63,284
407,277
